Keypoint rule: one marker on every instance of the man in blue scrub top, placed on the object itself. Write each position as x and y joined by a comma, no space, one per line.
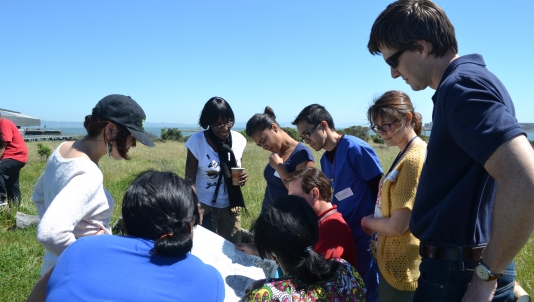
354,172
474,204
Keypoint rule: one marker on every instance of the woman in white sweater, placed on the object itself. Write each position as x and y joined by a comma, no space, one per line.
70,197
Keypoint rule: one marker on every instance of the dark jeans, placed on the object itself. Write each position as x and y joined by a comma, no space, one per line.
442,280
9,179
368,269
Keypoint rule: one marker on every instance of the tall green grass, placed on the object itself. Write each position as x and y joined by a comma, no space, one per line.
20,254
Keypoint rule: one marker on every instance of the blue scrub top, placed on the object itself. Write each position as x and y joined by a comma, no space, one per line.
355,163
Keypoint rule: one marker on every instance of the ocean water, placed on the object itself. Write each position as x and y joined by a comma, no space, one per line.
191,131
154,131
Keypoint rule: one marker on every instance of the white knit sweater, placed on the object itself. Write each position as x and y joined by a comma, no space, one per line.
72,203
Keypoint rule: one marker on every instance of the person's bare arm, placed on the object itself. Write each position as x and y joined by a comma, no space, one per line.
247,248
277,163
38,292
395,225
306,164
2,150
191,167
512,166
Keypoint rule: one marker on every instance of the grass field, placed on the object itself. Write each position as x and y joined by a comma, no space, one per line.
20,254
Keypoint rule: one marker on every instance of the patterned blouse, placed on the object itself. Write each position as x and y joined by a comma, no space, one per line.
344,286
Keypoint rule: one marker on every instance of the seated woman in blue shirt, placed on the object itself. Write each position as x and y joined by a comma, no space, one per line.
152,263
287,155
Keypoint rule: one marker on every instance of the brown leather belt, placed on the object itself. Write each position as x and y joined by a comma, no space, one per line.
451,253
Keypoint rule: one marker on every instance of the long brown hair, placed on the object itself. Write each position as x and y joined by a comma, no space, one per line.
396,104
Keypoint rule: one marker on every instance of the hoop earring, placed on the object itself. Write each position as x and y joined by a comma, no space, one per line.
109,148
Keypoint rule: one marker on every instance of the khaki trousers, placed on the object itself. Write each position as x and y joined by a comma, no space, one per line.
225,221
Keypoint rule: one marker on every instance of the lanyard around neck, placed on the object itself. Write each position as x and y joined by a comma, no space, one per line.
399,156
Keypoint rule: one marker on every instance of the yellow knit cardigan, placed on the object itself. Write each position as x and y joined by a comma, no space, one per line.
398,256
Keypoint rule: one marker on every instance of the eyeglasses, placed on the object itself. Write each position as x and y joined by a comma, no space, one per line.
307,135
384,128
228,124
392,60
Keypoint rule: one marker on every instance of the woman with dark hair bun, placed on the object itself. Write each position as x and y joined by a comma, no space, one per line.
393,245
287,155
69,196
210,156
151,263
286,232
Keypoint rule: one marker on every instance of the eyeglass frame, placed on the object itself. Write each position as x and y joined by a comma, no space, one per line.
392,60
307,135
229,124
380,129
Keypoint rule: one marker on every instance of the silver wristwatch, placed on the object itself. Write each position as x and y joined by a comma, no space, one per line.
484,273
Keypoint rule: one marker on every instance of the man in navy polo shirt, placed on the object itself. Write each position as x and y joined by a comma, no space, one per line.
354,171
475,198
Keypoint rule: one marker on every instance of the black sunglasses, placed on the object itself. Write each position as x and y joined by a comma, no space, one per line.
392,61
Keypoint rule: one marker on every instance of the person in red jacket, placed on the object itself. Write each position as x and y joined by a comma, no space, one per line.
335,237
13,156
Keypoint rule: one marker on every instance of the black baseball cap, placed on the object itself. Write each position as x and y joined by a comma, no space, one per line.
124,111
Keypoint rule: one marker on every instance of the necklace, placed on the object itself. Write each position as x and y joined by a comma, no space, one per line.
399,156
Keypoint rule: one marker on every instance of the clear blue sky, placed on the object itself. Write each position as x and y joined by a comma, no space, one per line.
58,58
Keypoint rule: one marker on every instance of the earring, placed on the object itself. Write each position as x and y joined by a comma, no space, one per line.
109,147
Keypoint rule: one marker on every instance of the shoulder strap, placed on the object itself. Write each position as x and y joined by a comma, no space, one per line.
214,199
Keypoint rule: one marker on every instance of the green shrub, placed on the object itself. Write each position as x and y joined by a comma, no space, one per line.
171,134
358,131
292,132
43,151
153,137
377,139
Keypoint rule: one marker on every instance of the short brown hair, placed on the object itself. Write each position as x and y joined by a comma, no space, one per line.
312,178
404,22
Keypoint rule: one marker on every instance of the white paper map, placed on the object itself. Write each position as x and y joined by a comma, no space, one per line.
237,268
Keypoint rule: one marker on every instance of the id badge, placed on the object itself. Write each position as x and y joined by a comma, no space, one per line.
345,193
393,176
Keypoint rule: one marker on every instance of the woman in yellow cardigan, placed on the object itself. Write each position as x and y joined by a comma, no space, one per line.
394,247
